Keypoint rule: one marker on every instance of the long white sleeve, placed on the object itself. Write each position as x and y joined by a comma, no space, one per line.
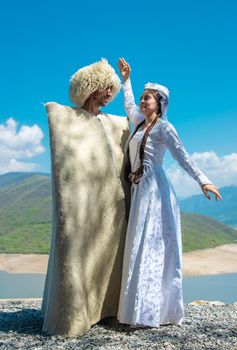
179,153
135,116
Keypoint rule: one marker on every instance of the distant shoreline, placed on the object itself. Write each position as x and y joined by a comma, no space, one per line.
212,261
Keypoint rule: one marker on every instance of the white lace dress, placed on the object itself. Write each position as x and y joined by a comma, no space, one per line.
151,291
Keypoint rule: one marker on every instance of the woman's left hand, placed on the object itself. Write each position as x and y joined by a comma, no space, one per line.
211,188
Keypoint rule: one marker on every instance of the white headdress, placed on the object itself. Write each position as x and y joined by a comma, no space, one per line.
164,93
97,76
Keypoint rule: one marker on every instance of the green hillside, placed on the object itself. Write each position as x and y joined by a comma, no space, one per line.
200,232
25,218
25,213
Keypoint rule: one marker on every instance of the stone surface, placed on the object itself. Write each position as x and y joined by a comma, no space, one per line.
212,327
207,302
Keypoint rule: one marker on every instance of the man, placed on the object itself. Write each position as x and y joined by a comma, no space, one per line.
89,211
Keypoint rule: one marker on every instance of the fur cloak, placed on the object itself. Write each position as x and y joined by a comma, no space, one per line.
89,219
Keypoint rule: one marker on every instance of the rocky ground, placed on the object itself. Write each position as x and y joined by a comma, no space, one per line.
212,327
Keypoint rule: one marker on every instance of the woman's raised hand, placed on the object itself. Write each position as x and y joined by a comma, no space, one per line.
124,68
211,188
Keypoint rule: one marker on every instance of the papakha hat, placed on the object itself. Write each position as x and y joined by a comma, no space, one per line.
95,77
164,93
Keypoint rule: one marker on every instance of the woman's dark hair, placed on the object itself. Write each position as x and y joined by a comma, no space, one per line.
137,175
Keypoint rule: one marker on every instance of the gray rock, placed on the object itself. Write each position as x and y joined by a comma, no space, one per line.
212,327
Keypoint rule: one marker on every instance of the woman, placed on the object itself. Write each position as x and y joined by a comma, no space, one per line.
151,291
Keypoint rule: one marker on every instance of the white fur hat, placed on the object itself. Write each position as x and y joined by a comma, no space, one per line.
97,76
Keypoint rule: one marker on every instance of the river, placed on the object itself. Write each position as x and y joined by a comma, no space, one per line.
212,287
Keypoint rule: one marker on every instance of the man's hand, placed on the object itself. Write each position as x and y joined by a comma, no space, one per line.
124,68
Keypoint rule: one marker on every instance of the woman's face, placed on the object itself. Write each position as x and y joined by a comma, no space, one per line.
148,103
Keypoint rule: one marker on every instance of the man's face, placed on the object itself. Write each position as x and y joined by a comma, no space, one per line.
103,97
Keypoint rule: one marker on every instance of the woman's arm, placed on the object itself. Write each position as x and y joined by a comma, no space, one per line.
179,153
131,108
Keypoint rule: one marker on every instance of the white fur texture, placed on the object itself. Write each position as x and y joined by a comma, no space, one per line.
89,220
97,76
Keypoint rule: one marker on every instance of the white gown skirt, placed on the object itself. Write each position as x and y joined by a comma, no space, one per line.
151,290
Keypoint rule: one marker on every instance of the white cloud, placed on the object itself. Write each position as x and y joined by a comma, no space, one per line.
221,170
13,165
19,144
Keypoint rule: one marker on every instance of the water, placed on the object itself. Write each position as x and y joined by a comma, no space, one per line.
214,287
21,285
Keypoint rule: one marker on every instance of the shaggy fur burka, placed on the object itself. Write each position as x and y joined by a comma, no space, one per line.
89,219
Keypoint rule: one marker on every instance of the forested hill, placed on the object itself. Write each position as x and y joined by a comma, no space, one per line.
26,209
25,212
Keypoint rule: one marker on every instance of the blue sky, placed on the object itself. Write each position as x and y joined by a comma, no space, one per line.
189,46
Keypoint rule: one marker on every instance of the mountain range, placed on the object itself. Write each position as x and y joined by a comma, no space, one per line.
224,210
26,210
